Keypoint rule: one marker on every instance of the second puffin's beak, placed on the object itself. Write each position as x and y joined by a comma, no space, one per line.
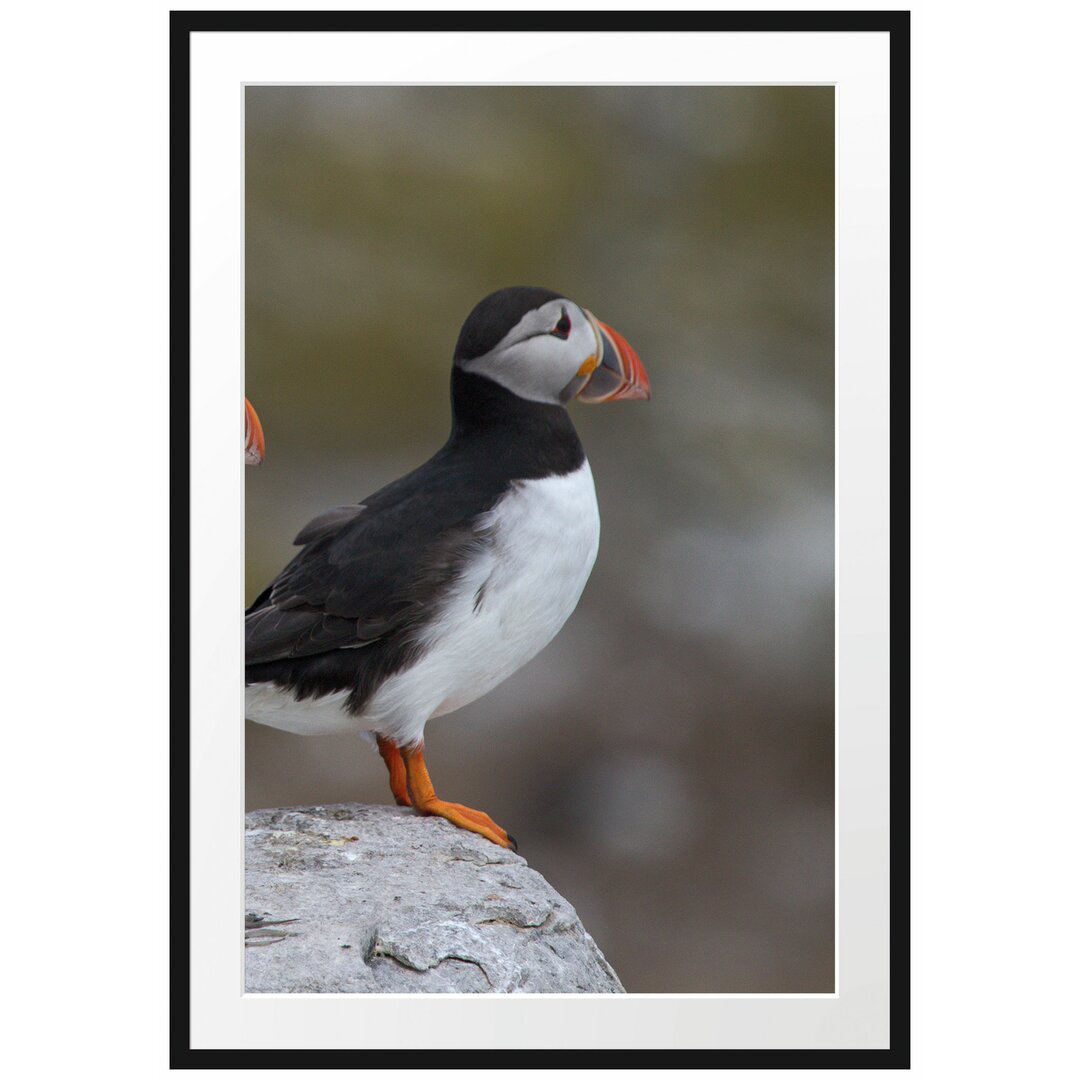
617,372
254,447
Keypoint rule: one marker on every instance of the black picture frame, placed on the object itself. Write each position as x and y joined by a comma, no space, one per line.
894,23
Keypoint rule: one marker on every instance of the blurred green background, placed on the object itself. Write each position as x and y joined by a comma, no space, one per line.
667,762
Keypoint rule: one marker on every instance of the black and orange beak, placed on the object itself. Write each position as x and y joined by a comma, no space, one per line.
617,371
254,447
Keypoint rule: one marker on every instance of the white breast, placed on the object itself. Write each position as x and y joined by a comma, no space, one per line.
507,605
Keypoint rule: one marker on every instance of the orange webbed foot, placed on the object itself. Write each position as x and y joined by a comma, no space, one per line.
465,817
425,801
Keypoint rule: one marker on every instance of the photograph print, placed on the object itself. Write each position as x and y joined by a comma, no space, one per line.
540,695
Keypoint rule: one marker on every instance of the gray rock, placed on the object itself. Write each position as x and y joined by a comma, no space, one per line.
389,902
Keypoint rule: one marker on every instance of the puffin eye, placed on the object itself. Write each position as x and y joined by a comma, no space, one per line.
562,327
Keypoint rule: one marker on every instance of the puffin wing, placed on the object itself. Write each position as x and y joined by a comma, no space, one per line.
369,570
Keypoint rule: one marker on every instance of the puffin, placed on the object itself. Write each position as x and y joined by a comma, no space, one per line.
254,444
427,594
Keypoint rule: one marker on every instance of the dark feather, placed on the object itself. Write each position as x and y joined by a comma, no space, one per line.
495,316
327,522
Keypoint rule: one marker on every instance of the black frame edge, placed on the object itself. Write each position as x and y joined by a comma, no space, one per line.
900,538
180,540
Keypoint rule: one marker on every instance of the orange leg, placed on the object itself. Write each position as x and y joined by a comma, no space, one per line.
390,753
424,799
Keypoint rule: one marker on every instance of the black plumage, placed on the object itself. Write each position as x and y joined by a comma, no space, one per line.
495,316
349,609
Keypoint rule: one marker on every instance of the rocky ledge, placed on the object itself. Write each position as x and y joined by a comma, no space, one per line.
385,901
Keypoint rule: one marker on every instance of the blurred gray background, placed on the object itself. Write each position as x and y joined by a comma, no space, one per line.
667,762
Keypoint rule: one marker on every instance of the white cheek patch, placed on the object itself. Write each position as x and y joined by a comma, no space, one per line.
534,363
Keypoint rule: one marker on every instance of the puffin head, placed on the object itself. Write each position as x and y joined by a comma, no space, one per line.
543,347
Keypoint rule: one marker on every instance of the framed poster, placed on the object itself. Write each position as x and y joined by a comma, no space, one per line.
709,763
